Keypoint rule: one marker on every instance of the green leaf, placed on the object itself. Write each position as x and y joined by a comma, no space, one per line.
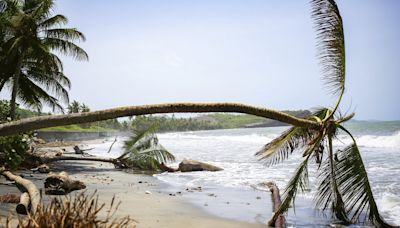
352,179
331,44
280,148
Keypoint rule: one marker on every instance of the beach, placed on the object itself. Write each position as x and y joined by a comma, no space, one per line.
143,197
234,197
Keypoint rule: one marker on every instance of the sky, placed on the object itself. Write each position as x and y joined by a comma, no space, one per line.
255,52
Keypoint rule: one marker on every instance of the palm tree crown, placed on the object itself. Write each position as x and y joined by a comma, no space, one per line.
32,37
343,187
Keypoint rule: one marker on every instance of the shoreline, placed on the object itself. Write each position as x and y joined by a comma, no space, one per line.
156,209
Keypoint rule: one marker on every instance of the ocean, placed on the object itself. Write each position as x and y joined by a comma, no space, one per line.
238,185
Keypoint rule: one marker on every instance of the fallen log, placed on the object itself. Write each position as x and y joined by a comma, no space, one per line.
276,203
193,165
24,203
30,187
61,184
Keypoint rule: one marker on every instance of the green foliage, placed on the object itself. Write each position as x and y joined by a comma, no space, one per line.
208,122
77,128
13,149
31,36
143,151
4,111
74,107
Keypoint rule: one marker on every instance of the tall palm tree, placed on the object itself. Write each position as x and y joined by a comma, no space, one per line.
74,107
343,181
33,37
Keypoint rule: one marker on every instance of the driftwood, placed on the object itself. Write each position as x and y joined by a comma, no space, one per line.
42,169
61,184
24,203
31,188
112,144
80,151
193,165
276,203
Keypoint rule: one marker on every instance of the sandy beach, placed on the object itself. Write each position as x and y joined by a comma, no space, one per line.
142,196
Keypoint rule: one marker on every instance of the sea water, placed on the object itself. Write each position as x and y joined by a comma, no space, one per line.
234,150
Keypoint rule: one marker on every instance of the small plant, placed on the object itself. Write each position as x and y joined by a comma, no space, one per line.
12,148
80,211
143,151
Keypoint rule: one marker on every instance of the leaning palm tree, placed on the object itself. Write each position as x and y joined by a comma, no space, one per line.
344,185
144,152
33,37
343,181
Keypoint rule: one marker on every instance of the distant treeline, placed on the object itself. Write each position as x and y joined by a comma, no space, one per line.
208,122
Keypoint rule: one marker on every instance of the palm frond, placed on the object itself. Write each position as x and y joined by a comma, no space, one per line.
280,148
69,34
331,44
66,48
53,21
299,181
143,151
34,96
352,179
138,135
329,194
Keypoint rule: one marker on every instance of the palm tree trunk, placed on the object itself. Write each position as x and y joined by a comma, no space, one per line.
54,159
76,118
17,73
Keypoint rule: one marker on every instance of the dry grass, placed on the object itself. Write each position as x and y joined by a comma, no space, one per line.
80,211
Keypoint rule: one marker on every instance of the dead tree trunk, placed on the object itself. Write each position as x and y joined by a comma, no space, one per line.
31,188
276,203
54,159
23,206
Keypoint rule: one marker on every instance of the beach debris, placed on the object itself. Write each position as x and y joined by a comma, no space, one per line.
24,185
147,192
61,184
42,169
171,194
198,189
24,204
81,151
9,198
58,154
193,165
39,141
212,195
277,220
112,144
